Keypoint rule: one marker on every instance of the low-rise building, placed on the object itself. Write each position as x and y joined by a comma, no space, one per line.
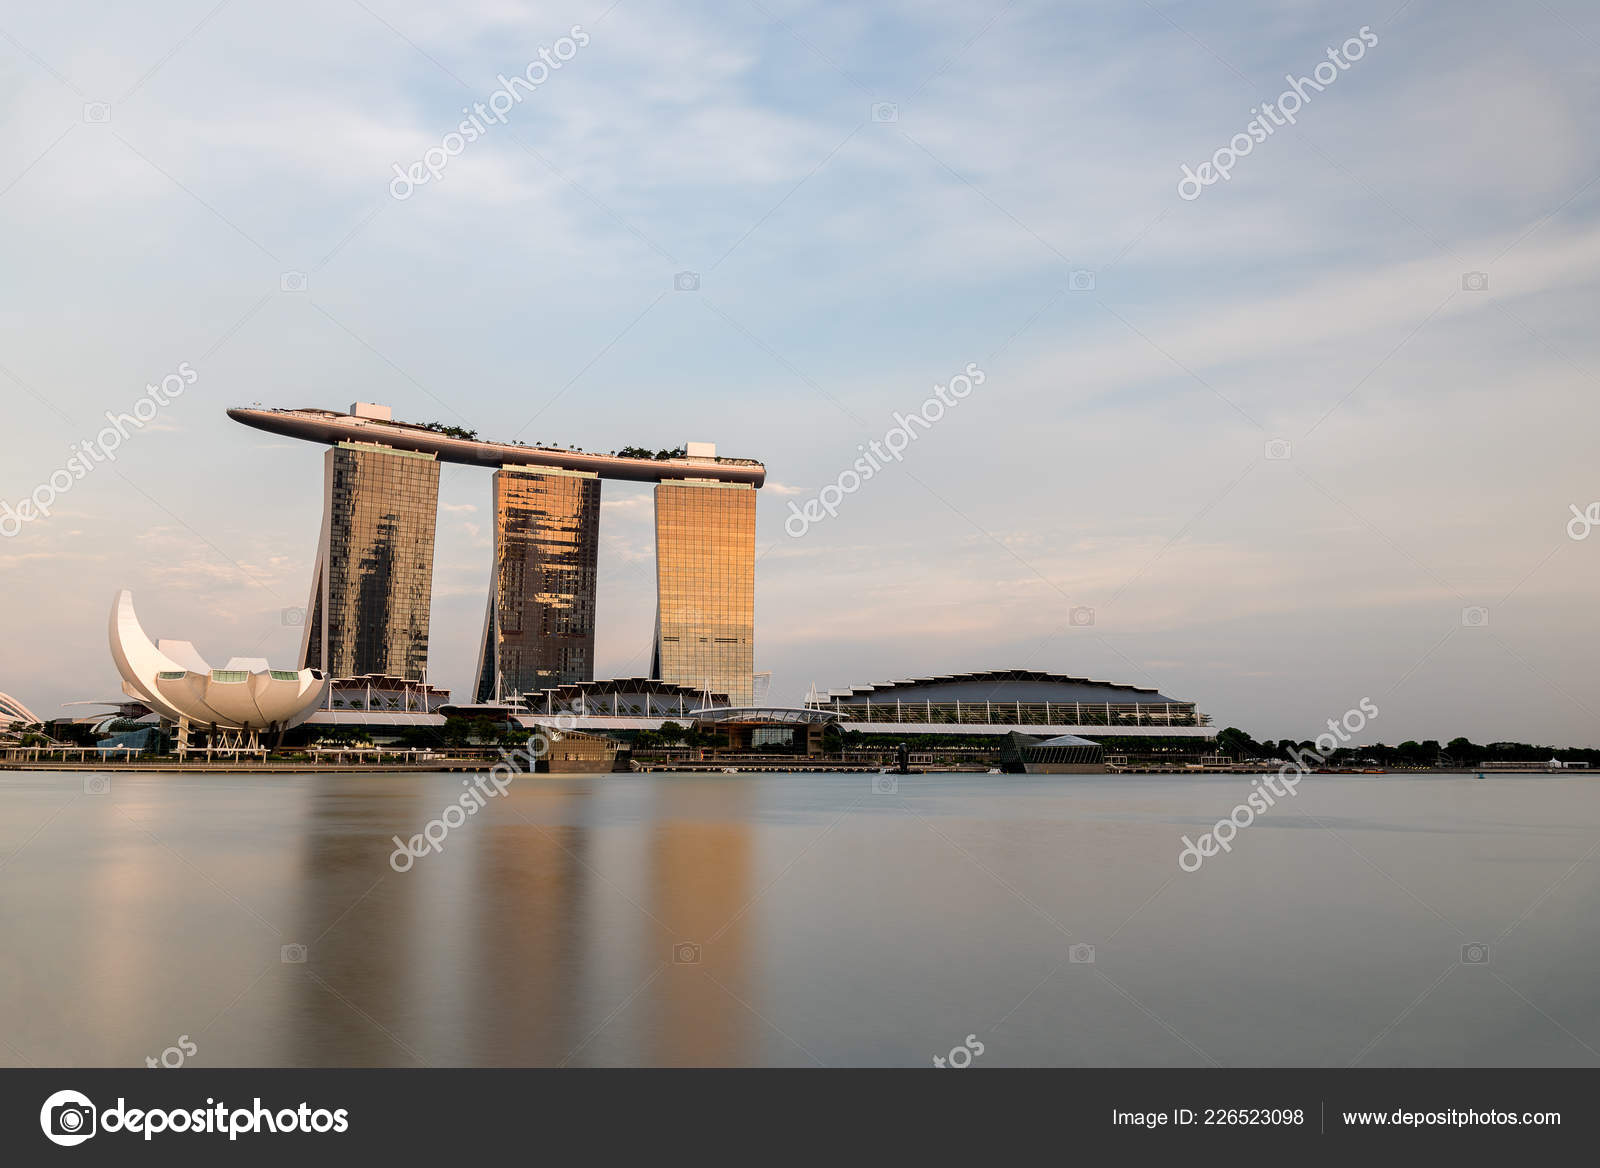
998,702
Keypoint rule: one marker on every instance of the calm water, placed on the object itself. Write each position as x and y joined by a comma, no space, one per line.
812,921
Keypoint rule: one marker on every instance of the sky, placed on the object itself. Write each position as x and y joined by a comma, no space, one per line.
1320,431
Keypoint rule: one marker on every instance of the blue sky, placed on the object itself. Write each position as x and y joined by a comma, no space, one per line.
1114,458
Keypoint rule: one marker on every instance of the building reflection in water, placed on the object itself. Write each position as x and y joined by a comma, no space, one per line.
530,940
700,887
523,981
374,937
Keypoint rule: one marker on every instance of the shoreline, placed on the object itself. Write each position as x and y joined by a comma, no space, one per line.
820,766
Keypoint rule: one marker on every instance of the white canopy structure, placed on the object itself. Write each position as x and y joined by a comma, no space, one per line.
13,711
175,681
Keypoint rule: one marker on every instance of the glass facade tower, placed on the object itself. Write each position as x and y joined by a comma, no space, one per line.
705,587
373,585
372,588
539,629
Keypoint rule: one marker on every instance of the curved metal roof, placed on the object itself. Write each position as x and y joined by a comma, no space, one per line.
1006,684
784,715
11,710
330,427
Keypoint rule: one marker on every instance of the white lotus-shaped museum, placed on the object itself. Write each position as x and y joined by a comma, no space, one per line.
175,681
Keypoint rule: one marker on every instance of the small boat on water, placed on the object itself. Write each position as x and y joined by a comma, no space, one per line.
730,770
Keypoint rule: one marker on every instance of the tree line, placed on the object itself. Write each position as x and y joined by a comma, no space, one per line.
1429,752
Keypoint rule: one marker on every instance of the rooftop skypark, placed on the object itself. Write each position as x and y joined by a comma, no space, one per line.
375,424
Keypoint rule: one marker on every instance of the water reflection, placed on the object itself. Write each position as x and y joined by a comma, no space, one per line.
717,920
511,946
700,886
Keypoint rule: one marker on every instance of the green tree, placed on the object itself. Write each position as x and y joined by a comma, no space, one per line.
1237,744
457,731
1414,753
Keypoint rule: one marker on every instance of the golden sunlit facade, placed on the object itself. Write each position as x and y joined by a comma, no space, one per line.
539,628
705,587
373,586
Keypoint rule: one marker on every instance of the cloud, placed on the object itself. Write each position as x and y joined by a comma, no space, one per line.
864,261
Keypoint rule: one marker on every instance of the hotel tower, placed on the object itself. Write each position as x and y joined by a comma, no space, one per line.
372,587
373,582
706,587
538,632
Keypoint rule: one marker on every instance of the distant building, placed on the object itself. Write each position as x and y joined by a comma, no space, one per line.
620,703
372,588
1066,754
1001,701
627,704
752,729
538,631
705,587
380,702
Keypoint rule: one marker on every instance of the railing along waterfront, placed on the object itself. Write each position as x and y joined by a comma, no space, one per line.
1022,713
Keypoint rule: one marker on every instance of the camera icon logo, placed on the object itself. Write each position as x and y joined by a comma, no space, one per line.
96,113
1278,449
293,617
67,1118
884,112
1475,616
292,954
97,784
1081,954
885,785
292,282
1474,281
1081,617
1476,953
1080,280
686,953
686,282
